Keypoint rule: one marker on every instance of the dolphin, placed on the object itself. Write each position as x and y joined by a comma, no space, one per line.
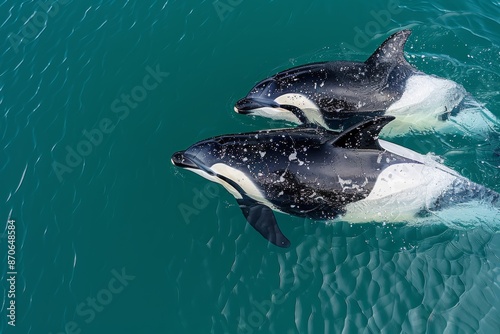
312,172
339,94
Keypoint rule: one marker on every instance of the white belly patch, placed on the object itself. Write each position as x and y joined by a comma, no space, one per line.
400,192
425,99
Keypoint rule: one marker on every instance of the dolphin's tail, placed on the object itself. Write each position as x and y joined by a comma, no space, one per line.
474,131
474,119
463,190
465,205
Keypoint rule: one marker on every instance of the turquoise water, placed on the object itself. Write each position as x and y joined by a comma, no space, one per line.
111,238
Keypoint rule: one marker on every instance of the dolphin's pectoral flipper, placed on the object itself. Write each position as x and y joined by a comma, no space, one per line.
263,220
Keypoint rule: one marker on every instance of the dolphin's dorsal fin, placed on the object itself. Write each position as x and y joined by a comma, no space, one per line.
391,51
363,135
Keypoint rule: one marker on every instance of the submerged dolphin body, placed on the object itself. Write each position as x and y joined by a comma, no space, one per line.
315,173
339,94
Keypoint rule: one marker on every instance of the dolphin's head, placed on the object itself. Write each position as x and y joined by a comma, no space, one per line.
227,160
266,99
199,158
220,160
204,158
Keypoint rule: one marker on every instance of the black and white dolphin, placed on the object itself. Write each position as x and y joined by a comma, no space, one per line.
338,94
312,172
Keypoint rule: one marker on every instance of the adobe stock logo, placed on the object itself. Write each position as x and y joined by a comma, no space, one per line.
225,7
121,108
89,308
296,277
34,25
200,201
381,19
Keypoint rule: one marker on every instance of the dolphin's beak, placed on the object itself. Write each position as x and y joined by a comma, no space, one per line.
179,159
247,105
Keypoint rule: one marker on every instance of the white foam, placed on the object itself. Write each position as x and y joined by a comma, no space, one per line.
412,155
